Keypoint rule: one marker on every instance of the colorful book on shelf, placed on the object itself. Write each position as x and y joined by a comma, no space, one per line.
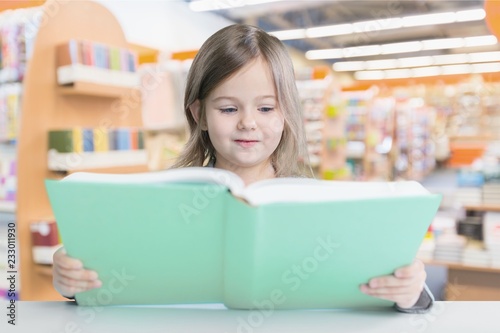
198,235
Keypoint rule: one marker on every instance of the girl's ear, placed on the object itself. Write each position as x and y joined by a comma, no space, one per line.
195,110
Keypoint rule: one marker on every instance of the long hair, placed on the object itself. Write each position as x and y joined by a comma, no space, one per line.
222,55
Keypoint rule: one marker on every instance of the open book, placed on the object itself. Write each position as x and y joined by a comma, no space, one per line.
198,235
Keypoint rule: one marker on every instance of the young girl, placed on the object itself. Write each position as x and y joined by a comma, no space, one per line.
244,115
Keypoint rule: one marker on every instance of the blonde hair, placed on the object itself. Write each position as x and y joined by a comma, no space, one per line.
223,54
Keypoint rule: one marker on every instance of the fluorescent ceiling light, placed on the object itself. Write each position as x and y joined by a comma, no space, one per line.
330,30
397,47
426,71
289,34
324,54
397,73
369,75
429,19
388,23
349,66
448,59
480,40
380,64
489,67
412,62
361,51
470,15
456,69
206,5
415,61
443,43
369,50
377,25
484,56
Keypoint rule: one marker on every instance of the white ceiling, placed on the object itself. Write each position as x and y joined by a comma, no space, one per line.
282,15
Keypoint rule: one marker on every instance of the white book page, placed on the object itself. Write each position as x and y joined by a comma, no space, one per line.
311,190
184,175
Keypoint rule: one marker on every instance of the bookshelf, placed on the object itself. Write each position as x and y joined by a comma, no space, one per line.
48,106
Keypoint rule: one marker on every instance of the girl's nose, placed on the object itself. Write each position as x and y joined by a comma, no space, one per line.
247,121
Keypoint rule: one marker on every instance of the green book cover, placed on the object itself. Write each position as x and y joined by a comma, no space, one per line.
61,141
197,235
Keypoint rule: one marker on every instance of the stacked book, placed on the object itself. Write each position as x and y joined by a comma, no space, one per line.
468,196
491,194
88,61
491,236
449,248
476,255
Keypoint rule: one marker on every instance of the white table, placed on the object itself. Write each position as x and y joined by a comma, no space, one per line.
58,317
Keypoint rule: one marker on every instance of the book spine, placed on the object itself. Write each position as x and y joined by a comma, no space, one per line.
61,141
88,139
77,140
101,139
68,53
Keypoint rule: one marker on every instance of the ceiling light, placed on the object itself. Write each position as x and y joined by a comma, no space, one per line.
455,69
489,67
426,71
349,66
377,25
443,43
369,75
470,15
369,50
428,19
206,5
415,61
448,59
480,40
330,30
397,73
361,51
381,64
324,54
391,23
397,47
484,56
289,34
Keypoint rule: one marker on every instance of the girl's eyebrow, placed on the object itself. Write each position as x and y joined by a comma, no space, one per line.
216,99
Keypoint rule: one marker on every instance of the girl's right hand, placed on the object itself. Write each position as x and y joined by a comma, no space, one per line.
69,276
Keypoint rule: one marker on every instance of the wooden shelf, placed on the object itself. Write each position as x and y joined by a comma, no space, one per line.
95,160
45,270
96,90
491,208
461,267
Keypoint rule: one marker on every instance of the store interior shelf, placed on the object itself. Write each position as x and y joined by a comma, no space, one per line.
95,160
492,208
458,266
81,88
7,206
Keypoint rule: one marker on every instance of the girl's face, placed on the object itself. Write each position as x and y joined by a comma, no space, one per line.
244,122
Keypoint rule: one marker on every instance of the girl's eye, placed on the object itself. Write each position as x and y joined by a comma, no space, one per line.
228,110
266,109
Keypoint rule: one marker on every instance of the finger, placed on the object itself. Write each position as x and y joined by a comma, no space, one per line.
80,274
62,259
392,291
68,291
402,300
391,281
81,285
410,270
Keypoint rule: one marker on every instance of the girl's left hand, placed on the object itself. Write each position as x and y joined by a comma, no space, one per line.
403,287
